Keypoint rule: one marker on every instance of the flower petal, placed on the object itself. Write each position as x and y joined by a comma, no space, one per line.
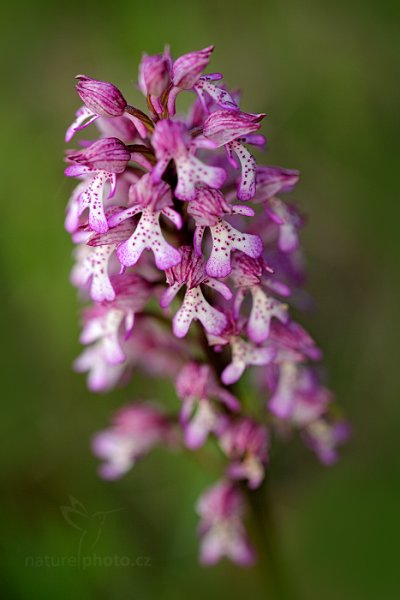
219,95
147,235
92,265
82,114
225,239
264,308
190,171
247,183
92,198
196,307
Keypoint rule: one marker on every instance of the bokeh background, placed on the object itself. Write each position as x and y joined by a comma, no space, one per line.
327,75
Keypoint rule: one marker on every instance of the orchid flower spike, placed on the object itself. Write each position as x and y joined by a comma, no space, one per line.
188,261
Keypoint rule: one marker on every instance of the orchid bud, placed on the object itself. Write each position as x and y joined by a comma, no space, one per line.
154,74
101,97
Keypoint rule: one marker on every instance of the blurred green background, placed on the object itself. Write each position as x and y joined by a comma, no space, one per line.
327,75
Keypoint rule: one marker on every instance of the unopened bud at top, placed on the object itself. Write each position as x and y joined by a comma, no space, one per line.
188,68
154,73
101,97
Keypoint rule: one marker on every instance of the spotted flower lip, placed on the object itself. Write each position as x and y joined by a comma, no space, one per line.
149,199
232,129
101,97
264,308
218,95
191,273
99,163
248,277
90,195
208,209
92,266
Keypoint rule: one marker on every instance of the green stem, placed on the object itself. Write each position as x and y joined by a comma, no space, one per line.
274,580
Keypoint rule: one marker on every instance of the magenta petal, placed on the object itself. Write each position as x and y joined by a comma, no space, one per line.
188,68
232,373
92,265
138,124
225,126
101,97
219,95
169,294
191,171
173,216
219,287
247,183
200,425
76,171
264,308
225,239
92,198
83,114
195,306
172,100
147,235
198,239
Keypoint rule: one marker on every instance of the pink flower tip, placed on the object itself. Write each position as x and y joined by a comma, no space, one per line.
101,97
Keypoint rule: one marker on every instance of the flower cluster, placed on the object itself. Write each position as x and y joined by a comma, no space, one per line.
188,258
